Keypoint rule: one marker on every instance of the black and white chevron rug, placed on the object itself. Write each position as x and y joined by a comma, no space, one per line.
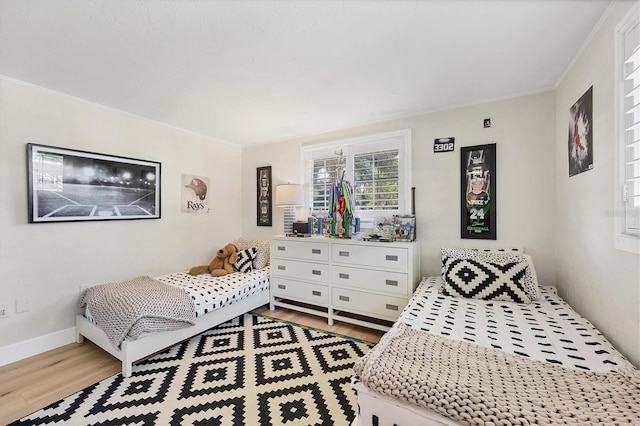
252,370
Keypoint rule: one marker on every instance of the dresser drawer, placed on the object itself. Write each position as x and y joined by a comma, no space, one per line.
394,258
303,250
383,281
314,293
375,305
305,271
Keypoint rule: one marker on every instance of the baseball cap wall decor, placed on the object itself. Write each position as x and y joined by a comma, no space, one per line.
195,194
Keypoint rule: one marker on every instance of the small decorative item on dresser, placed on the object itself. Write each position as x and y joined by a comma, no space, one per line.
341,208
404,227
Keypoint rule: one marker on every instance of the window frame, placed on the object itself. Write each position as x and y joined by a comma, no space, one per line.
400,140
623,240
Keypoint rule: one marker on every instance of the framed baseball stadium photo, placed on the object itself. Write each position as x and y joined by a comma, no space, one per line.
478,192
67,185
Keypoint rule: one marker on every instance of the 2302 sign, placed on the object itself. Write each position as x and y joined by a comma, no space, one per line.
443,145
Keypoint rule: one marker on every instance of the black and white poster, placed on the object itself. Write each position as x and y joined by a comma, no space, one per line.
66,185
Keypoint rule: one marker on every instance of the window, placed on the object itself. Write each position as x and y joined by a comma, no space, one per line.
378,166
375,180
627,213
324,169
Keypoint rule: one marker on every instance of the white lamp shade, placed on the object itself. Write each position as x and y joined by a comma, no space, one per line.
289,195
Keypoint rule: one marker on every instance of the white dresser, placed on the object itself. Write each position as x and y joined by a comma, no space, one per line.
359,282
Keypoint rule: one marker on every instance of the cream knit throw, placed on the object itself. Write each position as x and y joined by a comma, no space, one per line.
483,386
136,306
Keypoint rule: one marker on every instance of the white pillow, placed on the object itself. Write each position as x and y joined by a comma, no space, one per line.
262,257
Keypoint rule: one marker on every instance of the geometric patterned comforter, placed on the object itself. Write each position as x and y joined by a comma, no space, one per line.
210,293
545,330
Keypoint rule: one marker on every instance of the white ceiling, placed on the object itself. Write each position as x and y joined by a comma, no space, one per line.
249,72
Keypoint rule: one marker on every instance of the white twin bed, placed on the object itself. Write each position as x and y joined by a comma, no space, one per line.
215,301
483,343
463,360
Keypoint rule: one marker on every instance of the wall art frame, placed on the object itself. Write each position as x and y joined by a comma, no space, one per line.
195,194
404,227
478,192
69,185
264,196
580,142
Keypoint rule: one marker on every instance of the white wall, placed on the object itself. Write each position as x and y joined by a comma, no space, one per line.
284,159
523,129
563,222
47,262
600,282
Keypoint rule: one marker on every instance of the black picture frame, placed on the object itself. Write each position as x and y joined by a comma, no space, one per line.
580,152
69,185
478,192
264,199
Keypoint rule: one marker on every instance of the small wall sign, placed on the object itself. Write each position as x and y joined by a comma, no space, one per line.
195,194
443,145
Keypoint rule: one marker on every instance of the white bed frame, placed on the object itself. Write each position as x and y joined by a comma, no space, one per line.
133,350
390,412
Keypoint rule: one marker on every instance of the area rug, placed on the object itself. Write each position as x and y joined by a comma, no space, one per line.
252,370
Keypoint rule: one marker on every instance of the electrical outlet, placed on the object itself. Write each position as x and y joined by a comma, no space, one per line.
4,311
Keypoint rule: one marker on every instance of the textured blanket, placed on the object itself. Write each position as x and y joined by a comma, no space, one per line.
476,385
136,306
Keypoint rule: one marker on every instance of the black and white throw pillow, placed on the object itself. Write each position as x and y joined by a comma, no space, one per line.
528,281
477,279
245,260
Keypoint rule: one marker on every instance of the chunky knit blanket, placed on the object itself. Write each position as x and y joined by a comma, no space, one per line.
477,385
136,306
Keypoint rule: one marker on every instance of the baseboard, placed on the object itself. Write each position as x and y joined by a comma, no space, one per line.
37,345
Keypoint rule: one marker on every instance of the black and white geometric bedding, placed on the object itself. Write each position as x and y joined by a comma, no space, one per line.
545,330
210,293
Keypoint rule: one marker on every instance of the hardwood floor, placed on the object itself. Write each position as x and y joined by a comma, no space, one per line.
34,383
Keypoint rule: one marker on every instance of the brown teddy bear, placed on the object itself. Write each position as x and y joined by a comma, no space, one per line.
222,264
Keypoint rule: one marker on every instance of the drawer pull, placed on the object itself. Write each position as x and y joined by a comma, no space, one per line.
344,276
392,307
282,286
392,283
344,298
316,272
391,257
282,267
282,248
316,251
343,253
316,293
